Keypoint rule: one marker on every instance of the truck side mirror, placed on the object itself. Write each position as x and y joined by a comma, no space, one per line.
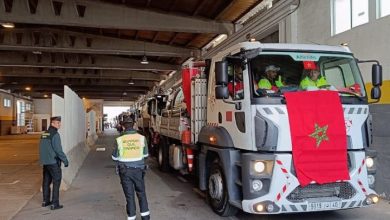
376,75
221,73
375,92
221,92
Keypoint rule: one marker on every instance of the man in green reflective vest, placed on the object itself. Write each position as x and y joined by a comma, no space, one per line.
269,82
130,151
313,79
51,156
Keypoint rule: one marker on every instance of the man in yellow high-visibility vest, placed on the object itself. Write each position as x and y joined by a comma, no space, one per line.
313,76
130,151
269,80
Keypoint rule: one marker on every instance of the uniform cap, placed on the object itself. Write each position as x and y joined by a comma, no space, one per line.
272,68
127,119
55,118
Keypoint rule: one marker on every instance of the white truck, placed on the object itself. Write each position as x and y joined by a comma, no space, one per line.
241,147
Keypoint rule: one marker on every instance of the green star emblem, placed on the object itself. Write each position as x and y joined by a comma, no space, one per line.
319,134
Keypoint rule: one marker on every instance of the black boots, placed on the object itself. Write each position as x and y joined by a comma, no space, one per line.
55,207
44,204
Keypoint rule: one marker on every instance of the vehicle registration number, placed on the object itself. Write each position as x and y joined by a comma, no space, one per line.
318,206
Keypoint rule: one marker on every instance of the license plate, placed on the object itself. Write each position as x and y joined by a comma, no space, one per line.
318,206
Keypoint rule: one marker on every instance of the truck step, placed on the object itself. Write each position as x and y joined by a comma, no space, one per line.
238,182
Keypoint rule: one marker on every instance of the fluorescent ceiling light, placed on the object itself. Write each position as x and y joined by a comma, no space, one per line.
8,25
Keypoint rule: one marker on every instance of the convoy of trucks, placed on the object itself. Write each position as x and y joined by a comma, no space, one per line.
240,148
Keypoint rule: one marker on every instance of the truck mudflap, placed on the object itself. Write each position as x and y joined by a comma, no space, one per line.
285,194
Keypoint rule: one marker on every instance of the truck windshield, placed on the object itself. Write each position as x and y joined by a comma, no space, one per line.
274,73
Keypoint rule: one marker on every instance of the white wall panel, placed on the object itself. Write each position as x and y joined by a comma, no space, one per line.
57,106
74,119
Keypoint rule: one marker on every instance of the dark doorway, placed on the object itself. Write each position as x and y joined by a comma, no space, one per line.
44,124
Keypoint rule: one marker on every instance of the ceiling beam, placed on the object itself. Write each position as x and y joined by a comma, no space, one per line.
218,17
76,82
88,13
54,88
95,95
53,40
79,74
79,61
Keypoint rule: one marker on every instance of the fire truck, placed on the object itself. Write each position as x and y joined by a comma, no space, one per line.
238,142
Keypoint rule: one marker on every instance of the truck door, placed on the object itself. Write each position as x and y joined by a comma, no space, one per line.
233,113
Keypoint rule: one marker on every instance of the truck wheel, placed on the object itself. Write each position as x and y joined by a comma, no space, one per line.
217,195
163,155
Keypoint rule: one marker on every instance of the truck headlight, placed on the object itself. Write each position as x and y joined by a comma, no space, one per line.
257,185
259,166
259,207
369,162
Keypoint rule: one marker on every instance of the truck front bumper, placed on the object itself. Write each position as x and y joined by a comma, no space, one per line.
284,194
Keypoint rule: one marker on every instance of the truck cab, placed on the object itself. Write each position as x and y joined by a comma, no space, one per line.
248,127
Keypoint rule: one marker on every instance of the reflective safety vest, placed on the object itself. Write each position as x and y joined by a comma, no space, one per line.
131,147
266,84
306,82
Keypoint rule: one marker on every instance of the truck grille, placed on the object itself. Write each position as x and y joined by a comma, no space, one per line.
342,190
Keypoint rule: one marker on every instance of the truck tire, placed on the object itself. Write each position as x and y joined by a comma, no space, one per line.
218,196
163,155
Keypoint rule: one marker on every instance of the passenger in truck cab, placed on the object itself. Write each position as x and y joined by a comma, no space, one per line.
312,76
269,81
236,85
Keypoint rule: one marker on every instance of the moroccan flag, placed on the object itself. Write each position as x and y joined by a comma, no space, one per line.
318,136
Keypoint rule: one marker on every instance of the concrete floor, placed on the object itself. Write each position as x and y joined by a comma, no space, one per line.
20,173
96,194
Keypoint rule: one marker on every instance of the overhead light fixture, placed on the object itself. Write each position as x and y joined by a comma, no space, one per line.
144,58
28,88
124,94
45,96
131,82
250,38
37,52
8,25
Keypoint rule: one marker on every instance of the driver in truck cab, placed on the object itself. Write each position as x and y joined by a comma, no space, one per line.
313,77
236,85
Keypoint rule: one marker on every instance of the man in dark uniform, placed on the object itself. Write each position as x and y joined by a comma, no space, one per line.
51,156
130,150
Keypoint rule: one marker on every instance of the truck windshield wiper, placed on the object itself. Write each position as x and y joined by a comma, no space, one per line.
351,93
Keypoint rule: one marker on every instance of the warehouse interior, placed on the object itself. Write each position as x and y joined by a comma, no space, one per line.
74,57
